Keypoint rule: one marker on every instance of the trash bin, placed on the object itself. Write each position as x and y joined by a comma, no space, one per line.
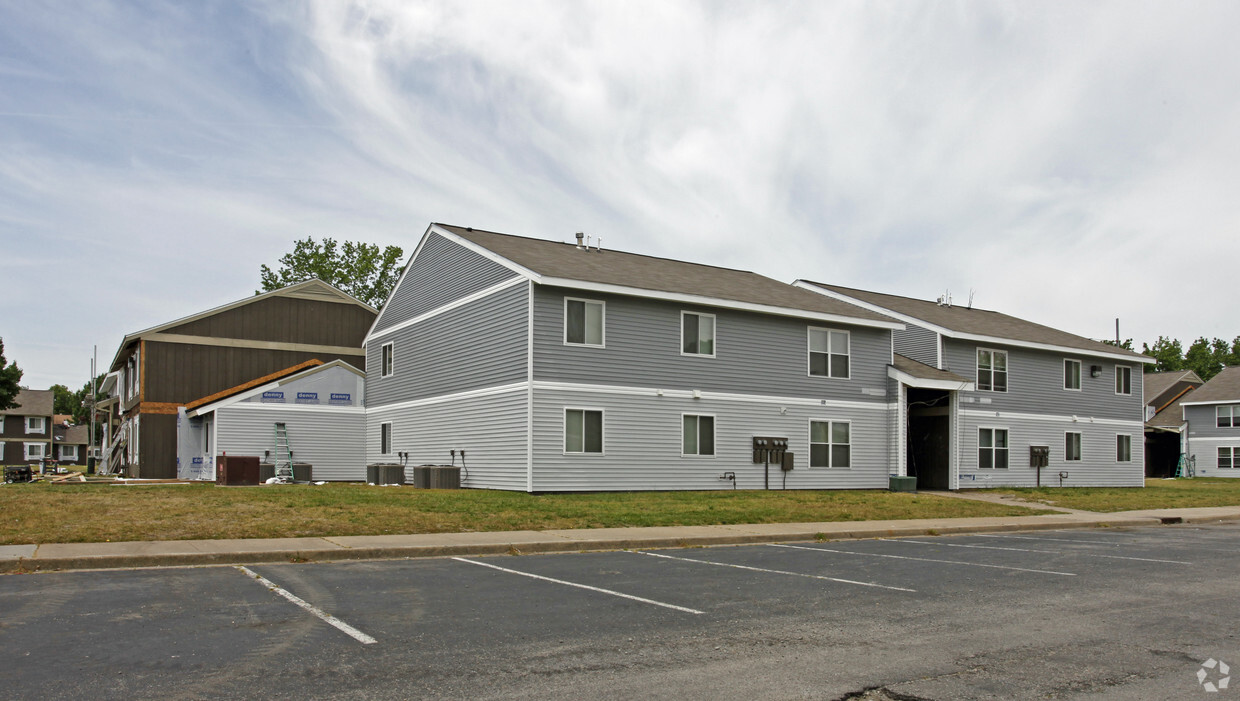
236,470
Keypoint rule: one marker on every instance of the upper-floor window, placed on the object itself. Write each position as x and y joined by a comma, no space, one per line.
388,362
1072,446
992,448
36,424
583,431
583,322
697,334
1072,374
1228,416
1123,379
992,370
830,444
698,435
1123,448
828,353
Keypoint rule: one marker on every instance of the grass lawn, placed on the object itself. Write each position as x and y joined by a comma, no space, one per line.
1158,494
75,513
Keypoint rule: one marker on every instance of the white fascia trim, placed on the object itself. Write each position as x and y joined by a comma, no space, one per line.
468,299
1215,439
715,302
403,273
544,385
322,408
922,383
1083,420
943,331
1210,403
486,253
429,401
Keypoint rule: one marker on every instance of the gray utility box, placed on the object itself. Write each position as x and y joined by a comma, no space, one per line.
302,471
436,477
903,484
385,473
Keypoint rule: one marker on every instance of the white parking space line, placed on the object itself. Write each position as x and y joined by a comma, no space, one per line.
1029,550
760,569
580,586
922,559
1097,542
327,617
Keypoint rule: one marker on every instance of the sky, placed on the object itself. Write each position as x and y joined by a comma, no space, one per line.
1065,162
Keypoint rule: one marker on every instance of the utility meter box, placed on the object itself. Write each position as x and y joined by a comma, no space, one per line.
1039,455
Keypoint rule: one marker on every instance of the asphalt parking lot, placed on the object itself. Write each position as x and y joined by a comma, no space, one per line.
1094,613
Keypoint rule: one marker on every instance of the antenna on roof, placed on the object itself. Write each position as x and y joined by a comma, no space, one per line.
971,293
946,299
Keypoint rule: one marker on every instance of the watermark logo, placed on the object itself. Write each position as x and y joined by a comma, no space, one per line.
1217,669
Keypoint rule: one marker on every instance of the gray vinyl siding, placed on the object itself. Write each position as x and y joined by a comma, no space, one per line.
1205,438
1097,468
443,272
1203,422
642,444
1035,384
755,353
330,439
477,345
920,344
491,429
1206,453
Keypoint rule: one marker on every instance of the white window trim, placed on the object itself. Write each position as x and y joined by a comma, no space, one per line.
1117,437
26,451
384,371
1079,380
809,440
714,341
809,353
30,424
64,454
714,429
1218,454
1081,435
1117,373
977,370
1233,413
388,424
602,439
602,323
992,448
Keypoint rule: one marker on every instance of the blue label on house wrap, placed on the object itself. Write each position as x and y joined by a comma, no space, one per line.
307,397
273,397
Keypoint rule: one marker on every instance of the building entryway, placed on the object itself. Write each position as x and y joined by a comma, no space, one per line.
1162,453
929,437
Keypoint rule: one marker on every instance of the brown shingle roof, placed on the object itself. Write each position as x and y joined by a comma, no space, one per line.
32,402
978,322
925,372
1172,416
1223,387
72,435
566,261
1155,383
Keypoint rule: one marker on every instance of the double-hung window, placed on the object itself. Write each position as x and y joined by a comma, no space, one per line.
992,448
830,444
828,353
698,435
583,431
1123,379
1072,374
35,451
1072,446
583,322
1228,458
992,370
1228,416
36,424
388,362
697,334
69,453
1123,448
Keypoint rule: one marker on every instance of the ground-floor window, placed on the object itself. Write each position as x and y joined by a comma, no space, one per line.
1228,458
992,448
698,435
1072,446
68,452
830,444
583,431
1123,448
36,451
385,438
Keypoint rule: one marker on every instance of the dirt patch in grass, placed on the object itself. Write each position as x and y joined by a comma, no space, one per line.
43,513
1157,494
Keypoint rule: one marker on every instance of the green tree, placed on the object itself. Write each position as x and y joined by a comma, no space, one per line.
361,269
1168,353
64,401
1202,359
10,375
1127,344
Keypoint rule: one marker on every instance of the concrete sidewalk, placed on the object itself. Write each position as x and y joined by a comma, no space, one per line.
82,556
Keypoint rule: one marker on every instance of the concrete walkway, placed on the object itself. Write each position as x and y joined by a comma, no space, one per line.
82,556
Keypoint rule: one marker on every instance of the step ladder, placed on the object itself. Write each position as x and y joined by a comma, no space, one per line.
284,455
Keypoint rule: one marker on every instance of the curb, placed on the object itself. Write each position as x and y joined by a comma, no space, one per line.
123,561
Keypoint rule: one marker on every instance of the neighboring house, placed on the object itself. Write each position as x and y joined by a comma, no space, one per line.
1164,419
72,443
1019,389
26,430
1212,413
318,405
165,367
556,367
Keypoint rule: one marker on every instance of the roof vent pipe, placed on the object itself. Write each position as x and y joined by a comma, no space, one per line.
580,236
587,242
599,246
